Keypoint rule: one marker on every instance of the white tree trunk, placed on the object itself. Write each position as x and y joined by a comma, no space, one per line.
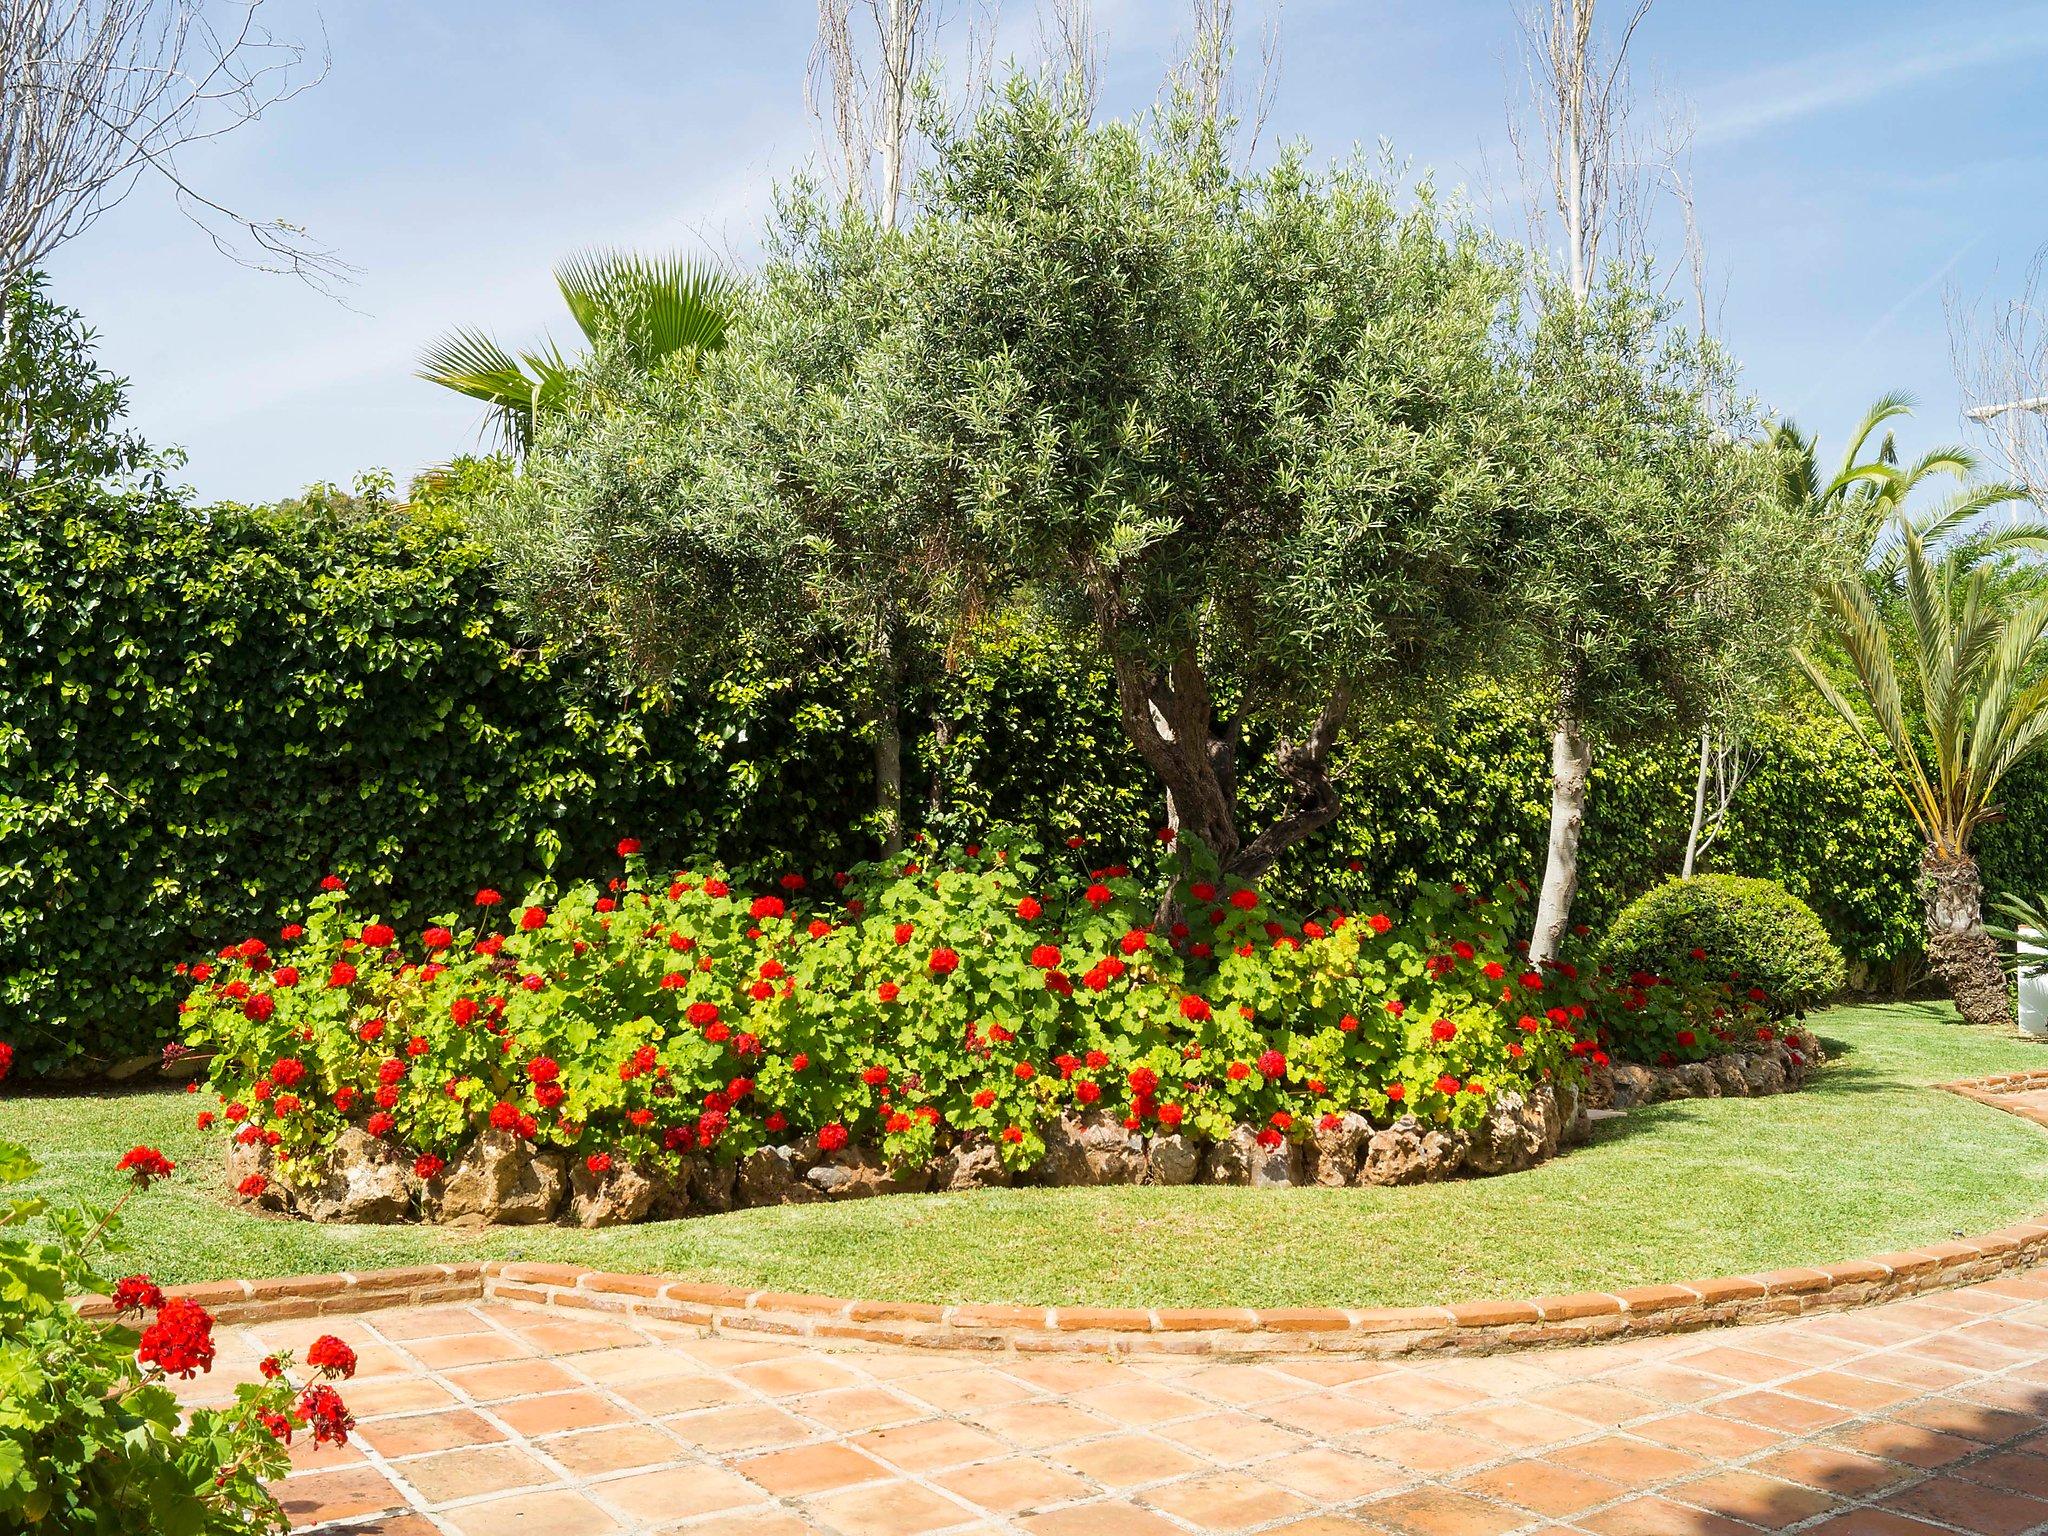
1699,804
1571,766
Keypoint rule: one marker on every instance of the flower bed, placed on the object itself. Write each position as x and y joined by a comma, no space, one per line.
660,1045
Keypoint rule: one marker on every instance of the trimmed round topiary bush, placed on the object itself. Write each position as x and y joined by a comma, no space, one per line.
1754,933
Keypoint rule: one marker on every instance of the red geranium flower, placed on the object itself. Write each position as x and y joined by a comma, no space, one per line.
331,1355
252,1186
342,975
1194,1008
180,1341
488,898
427,1166
1272,1064
145,1164
323,1409
831,1137
532,918
628,846
137,1293
1443,1029
766,907
943,962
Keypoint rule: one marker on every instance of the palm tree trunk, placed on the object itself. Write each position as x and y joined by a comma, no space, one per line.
1962,954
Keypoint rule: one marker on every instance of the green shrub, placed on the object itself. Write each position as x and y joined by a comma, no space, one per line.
1753,933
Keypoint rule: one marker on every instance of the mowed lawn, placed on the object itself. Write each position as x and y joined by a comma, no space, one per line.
1866,1159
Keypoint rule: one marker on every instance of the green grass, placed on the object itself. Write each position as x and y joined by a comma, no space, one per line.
1866,1159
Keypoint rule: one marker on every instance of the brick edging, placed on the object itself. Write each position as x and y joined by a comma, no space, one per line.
1473,1327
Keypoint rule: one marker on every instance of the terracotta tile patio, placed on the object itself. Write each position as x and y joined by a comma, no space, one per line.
1927,1415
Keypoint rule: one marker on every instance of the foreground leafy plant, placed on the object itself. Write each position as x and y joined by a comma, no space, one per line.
92,1436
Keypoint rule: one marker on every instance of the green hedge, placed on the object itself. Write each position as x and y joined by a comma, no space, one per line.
201,713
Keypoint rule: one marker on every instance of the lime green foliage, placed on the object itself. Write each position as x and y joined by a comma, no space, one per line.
1753,931
1865,1159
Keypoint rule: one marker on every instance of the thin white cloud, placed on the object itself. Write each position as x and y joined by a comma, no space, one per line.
1828,82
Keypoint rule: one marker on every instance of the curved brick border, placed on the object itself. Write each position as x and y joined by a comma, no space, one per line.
1476,1327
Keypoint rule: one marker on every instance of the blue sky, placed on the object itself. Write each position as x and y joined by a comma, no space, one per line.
1854,157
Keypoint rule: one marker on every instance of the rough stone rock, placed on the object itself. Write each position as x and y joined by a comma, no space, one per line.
1093,1148
1241,1160
500,1179
256,1158
712,1186
1404,1153
969,1165
1729,1076
610,1199
1172,1160
1332,1158
1692,1080
1517,1133
358,1179
1763,1072
1629,1086
773,1176
853,1173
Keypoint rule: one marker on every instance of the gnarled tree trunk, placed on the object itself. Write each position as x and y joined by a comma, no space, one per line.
1962,954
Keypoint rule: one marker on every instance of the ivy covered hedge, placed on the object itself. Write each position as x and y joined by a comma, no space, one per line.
203,712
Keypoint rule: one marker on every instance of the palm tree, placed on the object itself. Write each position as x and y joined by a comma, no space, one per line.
659,306
1977,670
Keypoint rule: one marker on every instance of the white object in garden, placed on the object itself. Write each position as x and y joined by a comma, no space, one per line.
2033,980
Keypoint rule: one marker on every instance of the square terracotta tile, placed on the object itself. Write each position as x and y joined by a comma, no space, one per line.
680,1493
1138,1404
1233,1437
1226,1501
614,1448
415,1434
851,1409
1427,1448
313,1497
1972,1507
1843,1473
1127,1461
1544,1488
744,1427
396,1394
807,1469
1439,1512
514,1378
1770,1502
1012,1487
1332,1476
888,1509
1113,1518
1706,1434
409,1323
662,1395
933,1444
1908,1443
1775,1410
1659,1517
468,1474
787,1378
559,1411
1632,1463
1036,1425
2016,1470
457,1349
555,1513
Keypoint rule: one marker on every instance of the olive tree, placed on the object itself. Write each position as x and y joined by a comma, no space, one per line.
1655,569
1230,427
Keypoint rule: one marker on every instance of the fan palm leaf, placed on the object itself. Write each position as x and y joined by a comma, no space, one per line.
660,306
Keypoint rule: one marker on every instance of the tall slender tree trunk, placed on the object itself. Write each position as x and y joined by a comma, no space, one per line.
1962,954
885,722
1571,769
1699,805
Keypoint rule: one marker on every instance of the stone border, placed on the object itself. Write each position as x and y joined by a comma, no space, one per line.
1476,1327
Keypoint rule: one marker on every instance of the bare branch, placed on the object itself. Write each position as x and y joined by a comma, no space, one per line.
2000,356
1072,49
1205,74
97,94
